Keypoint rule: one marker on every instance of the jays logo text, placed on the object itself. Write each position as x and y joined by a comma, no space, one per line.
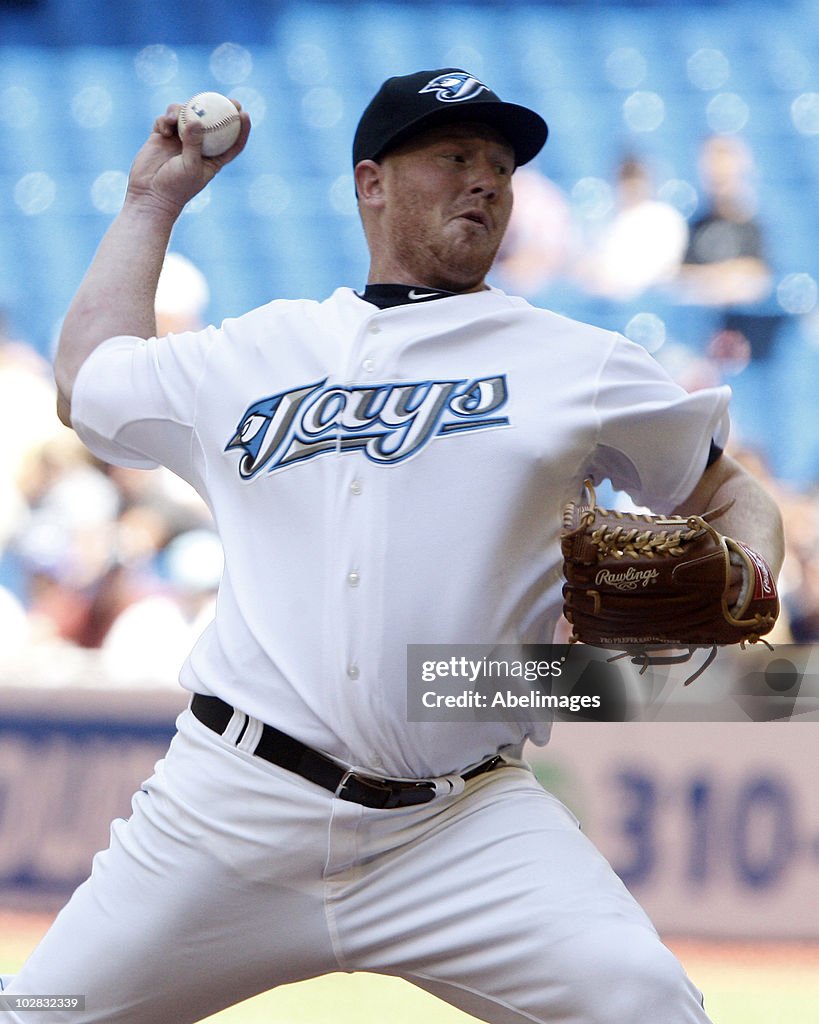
455,87
386,422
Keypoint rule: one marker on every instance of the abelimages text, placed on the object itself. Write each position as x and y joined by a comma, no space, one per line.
507,699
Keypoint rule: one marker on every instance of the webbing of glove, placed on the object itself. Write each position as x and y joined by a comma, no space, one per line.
644,584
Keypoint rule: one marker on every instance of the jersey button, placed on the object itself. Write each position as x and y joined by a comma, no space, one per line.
374,329
353,579
356,487
369,365
353,672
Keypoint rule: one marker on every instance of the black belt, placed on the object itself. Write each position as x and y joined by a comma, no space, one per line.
286,752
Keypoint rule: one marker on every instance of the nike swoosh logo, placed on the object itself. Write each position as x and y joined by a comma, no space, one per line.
414,295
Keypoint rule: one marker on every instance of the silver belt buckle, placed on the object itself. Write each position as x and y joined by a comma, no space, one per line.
345,778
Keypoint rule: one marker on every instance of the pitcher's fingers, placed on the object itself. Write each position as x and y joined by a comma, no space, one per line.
166,124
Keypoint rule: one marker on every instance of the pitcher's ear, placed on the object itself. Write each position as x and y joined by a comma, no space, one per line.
369,181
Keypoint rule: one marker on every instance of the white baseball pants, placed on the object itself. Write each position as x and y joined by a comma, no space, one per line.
233,876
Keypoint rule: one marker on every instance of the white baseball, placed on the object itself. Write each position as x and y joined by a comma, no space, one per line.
219,119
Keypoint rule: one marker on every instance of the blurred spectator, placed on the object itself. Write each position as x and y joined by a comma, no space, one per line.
799,582
93,541
15,632
725,264
539,239
803,603
640,246
27,421
27,416
726,274
66,546
182,296
150,639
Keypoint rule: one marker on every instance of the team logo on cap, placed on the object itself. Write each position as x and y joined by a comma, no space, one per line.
455,86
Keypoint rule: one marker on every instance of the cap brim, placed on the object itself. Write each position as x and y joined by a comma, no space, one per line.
526,131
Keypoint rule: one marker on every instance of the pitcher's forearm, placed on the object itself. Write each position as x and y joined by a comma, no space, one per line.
753,517
118,292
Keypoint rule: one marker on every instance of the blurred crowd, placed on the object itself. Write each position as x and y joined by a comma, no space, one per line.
107,575
619,241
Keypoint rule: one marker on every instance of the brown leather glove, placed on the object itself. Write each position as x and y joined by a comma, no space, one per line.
642,583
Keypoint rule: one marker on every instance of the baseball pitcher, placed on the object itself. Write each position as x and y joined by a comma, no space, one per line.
387,467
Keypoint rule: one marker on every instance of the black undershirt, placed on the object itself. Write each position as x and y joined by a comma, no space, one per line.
714,454
387,295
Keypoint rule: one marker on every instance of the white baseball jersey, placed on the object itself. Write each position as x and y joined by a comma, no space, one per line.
388,477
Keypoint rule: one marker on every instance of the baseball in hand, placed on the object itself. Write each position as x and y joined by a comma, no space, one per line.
219,119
